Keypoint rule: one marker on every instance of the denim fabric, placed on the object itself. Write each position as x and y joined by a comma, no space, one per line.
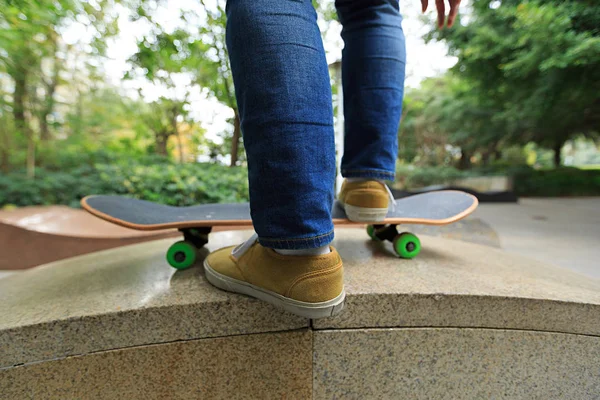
284,99
373,64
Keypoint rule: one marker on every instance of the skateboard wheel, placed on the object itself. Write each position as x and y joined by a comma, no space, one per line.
371,233
181,255
407,245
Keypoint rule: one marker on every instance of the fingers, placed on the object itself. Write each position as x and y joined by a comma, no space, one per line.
441,13
424,4
454,4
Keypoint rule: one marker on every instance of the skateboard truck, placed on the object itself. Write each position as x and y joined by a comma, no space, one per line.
406,244
197,236
183,254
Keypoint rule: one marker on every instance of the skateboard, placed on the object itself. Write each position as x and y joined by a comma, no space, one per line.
195,222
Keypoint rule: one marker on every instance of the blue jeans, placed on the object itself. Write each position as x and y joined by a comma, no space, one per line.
284,98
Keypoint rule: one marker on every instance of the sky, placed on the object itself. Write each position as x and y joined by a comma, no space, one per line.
423,60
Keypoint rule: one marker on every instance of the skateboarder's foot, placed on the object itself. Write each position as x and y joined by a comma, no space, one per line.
365,200
309,286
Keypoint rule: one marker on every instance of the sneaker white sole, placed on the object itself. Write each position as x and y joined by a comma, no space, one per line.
364,214
303,309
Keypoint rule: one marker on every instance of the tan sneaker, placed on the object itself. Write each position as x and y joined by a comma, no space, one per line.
309,286
365,201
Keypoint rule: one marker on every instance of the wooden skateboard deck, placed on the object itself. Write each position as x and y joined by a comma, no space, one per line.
195,222
433,208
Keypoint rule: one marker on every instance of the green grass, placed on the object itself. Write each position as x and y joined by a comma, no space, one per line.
589,167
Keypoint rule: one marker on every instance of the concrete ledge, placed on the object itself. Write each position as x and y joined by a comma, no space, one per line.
438,363
407,363
458,302
119,298
258,366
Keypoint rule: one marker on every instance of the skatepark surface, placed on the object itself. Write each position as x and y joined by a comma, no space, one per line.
558,231
462,320
32,236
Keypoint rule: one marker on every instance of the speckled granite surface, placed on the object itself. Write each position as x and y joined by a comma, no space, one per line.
257,366
130,297
120,298
470,229
446,363
454,283
123,324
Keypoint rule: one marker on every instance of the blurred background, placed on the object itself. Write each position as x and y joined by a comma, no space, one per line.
135,97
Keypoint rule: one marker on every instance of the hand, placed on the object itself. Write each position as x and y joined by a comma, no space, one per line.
441,11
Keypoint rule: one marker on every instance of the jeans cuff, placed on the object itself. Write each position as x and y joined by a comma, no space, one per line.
369,173
297,243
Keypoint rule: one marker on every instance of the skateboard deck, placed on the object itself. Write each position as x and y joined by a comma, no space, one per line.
432,208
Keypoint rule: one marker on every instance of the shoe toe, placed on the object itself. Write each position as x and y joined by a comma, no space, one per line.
221,262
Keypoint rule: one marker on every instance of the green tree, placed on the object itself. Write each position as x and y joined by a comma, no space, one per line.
444,114
161,118
161,56
33,55
536,64
199,49
421,139
211,68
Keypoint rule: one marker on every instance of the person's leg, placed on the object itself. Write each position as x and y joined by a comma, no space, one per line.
284,99
373,66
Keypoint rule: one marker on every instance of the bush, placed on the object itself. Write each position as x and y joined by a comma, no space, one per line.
564,181
415,177
527,181
167,183
189,184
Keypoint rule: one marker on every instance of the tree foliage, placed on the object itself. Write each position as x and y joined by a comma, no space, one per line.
526,72
33,56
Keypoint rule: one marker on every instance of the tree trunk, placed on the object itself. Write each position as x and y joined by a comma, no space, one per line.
558,145
19,103
4,162
4,151
235,141
48,108
486,157
19,99
497,154
490,154
44,131
48,102
161,143
78,125
177,134
465,160
180,147
30,157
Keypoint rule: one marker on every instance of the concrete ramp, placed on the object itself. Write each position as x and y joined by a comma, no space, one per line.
31,236
461,321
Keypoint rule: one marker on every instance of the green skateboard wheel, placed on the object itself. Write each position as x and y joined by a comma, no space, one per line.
407,245
181,255
371,232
